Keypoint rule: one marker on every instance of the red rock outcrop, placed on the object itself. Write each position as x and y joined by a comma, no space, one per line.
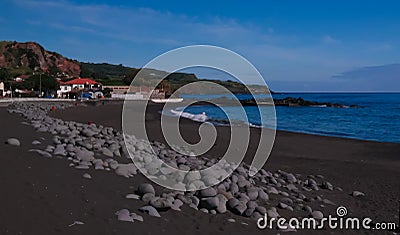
35,57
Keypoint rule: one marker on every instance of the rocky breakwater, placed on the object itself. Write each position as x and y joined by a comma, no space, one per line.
291,101
87,146
288,101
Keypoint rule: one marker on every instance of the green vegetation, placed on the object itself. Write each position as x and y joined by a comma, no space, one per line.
111,82
119,75
9,73
23,70
45,83
21,61
177,80
4,74
104,71
48,83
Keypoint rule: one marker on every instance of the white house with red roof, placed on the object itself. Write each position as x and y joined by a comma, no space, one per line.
76,85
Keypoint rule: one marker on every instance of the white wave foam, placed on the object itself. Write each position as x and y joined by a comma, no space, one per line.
254,125
195,117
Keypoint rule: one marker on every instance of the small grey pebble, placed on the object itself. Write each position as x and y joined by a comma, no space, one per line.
87,176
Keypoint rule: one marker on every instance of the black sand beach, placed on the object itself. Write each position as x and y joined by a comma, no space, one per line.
45,196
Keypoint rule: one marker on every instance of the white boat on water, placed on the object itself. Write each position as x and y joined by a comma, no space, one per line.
170,100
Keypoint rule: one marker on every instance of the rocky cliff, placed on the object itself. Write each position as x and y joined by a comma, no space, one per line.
30,56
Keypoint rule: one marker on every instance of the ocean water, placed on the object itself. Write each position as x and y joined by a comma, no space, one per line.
377,119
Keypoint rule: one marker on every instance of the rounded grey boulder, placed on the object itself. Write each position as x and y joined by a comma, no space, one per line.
263,195
87,176
106,152
317,215
13,142
150,210
209,203
357,194
147,197
240,208
248,212
124,215
273,213
160,204
208,192
232,203
252,193
145,188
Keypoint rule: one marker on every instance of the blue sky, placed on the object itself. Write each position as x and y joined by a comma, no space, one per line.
296,45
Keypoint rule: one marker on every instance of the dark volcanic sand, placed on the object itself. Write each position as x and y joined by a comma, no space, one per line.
44,196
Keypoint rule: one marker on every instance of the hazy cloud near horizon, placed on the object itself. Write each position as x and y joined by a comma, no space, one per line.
382,78
297,49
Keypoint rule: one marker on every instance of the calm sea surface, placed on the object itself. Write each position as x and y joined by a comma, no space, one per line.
378,118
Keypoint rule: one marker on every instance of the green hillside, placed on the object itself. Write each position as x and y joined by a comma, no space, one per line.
109,74
29,58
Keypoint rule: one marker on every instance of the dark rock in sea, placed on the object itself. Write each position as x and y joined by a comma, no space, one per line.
292,101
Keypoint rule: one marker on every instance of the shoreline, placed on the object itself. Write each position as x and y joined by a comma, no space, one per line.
218,122
222,122
377,163
96,202
156,110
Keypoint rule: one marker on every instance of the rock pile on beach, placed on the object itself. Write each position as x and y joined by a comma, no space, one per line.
103,149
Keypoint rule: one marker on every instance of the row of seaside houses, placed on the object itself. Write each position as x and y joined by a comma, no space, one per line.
72,88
